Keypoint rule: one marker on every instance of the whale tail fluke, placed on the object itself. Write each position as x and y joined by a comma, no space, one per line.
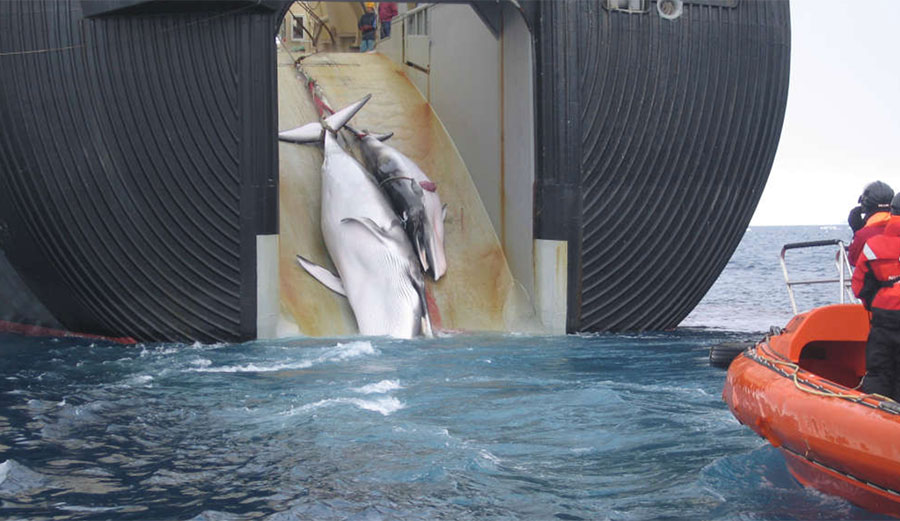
315,132
340,118
309,133
380,136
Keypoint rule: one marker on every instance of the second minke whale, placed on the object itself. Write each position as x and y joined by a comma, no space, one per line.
378,269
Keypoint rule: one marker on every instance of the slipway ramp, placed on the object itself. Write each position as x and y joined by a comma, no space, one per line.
477,293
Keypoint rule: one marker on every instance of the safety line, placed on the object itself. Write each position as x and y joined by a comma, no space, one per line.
842,473
817,390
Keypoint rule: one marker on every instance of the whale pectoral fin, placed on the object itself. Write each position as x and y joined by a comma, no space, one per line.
309,133
328,279
380,233
380,136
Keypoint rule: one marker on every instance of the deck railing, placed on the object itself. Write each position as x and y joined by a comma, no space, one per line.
842,264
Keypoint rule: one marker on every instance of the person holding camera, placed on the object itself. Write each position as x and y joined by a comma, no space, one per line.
870,217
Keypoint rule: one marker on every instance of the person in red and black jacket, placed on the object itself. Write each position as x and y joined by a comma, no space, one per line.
870,217
386,12
876,281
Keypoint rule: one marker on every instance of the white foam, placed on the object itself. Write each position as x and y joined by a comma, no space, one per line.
381,387
485,454
77,508
142,379
254,368
337,353
385,405
351,350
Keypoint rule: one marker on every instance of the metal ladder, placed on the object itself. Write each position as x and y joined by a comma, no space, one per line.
841,263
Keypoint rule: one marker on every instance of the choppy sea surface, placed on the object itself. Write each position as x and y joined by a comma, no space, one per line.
487,427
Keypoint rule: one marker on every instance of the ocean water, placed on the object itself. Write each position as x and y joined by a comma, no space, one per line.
487,427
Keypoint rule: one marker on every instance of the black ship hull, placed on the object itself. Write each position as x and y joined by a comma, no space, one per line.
139,166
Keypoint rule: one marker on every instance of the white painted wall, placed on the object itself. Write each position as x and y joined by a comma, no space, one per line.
392,47
268,296
481,87
465,93
518,148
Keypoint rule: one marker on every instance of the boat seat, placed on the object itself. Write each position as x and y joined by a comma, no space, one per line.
829,341
841,362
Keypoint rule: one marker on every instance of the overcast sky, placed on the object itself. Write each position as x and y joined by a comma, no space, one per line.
842,125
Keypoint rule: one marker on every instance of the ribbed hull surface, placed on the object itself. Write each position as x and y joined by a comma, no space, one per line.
657,137
138,164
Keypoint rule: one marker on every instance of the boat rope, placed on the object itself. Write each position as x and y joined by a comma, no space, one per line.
775,360
842,473
322,106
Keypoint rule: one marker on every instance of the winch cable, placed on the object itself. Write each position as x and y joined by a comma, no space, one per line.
323,107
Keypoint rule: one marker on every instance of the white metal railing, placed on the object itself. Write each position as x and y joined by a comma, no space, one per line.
417,9
416,20
842,264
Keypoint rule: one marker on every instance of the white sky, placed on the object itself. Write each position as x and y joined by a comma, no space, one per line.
842,125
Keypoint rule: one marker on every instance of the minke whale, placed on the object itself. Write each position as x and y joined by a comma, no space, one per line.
414,198
378,270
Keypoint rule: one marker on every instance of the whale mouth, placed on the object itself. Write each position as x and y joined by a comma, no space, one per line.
417,230
428,247
435,253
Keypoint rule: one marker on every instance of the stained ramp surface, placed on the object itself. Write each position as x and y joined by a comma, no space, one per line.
478,292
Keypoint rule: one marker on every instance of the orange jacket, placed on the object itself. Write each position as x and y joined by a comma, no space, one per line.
874,226
881,255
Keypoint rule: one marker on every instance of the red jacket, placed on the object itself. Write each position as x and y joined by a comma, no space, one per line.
387,11
874,226
881,256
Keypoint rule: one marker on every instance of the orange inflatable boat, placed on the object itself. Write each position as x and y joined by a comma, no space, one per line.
797,389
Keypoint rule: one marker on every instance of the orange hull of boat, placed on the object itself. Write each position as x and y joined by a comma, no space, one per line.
847,445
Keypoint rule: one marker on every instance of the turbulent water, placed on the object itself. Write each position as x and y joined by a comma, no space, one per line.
501,427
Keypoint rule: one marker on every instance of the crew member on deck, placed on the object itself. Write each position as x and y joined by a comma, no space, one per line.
386,12
367,28
870,217
876,281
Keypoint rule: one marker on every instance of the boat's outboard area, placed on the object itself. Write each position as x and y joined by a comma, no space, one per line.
800,389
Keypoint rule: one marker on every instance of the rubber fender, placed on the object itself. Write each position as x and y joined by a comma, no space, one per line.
721,355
